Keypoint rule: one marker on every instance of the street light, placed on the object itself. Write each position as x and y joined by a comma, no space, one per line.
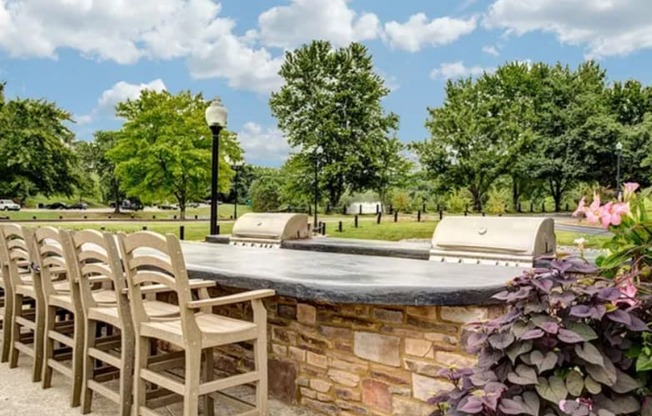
619,149
216,117
316,151
236,165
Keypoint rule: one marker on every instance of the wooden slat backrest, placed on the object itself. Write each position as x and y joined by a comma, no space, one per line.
14,249
150,258
49,256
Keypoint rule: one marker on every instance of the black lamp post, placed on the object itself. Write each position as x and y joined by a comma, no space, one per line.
216,117
236,167
315,153
619,149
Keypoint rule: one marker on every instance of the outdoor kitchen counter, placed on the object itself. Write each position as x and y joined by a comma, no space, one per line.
346,278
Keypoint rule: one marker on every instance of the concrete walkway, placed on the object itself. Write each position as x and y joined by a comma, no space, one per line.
20,397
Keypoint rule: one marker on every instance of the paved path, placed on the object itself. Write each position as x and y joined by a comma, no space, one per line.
20,397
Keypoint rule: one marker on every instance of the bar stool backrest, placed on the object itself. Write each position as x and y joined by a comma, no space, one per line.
150,258
96,261
15,255
49,256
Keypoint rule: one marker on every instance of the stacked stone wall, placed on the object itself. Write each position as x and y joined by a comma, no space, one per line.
356,359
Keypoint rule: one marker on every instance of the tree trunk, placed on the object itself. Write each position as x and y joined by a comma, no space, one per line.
477,199
557,192
515,194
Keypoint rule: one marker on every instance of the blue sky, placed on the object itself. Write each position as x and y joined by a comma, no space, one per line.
87,55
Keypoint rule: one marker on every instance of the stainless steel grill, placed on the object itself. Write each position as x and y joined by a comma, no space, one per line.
269,230
500,241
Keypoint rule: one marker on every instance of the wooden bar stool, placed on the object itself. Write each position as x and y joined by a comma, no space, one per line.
94,261
150,258
23,297
61,298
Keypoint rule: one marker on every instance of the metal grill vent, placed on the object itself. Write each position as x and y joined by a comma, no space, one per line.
500,241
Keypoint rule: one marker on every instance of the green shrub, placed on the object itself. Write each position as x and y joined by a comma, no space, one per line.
497,201
458,201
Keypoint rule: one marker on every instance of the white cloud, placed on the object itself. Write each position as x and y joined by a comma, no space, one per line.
418,31
119,92
127,31
491,50
265,146
603,27
452,70
304,20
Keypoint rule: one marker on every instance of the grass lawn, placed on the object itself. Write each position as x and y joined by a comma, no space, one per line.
406,228
225,212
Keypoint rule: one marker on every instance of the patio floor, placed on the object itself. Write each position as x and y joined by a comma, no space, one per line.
20,397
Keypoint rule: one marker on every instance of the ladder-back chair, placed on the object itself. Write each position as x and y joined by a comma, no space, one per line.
150,258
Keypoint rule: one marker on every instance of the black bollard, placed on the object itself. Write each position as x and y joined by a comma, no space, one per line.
133,216
466,213
531,207
391,209
360,209
60,217
378,218
102,228
519,207
339,227
396,216
355,221
34,217
484,214
418,216
323,228
109,217
144,228
85,217
153,217
567,207
174,217
441,215
377,209
196,217
182,233
543,207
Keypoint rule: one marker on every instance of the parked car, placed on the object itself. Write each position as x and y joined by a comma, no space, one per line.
57,205
129,205
9,205
192,204
168,206
78,205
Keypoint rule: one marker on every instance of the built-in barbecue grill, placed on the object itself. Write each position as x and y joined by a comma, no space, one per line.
501,241
269,230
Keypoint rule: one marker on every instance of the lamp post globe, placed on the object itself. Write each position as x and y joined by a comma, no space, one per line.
216,118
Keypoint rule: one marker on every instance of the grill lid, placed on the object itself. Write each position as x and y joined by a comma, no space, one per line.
269,229
509,241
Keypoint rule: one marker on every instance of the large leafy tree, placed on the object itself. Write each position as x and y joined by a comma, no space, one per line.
332,100
475,137
36,153
163,150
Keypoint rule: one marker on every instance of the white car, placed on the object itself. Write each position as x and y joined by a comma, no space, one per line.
8,205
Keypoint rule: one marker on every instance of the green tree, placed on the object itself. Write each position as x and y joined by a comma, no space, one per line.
331,100
36,154
265,192
472,142
163,150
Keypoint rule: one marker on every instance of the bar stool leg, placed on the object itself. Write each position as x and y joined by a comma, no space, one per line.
191,385
140,387
87,393
15,332
209,368
50,322
260,357
126,374
6,328
77,359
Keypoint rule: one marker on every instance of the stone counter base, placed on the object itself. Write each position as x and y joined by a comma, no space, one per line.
354,359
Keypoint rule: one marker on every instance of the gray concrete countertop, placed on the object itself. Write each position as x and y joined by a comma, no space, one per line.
346,278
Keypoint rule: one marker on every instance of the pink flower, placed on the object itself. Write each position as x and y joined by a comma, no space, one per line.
611,213
592,213
581,207
629,189
627,292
